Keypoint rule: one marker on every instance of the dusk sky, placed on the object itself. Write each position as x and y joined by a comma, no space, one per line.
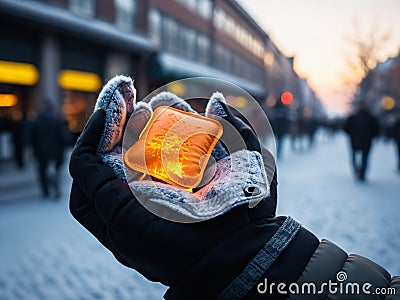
313,31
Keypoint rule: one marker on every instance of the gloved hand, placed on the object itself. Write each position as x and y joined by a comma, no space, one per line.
106,207
253,144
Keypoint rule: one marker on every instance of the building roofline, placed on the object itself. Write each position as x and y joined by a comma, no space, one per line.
63,20
249,18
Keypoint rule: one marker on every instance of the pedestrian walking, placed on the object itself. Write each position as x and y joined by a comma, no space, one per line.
244,252
396,137
361,127
280,126
49,139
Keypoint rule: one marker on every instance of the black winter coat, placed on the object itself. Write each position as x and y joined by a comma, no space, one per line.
48,136
362,127
396,131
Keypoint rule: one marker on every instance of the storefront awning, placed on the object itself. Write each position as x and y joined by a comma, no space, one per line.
62,19
171,66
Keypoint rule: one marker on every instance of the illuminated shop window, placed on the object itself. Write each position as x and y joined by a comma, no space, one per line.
79,81
18,73
76,108
83,7
125,11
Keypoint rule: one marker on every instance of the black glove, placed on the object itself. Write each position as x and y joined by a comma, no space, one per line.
97,194
253,144
106,207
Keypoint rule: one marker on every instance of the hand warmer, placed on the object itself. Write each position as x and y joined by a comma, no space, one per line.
175,147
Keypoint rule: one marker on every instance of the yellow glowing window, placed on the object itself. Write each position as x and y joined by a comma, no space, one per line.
175,146
8,100
18,73
79,81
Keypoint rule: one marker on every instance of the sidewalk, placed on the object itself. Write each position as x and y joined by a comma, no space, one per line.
21,185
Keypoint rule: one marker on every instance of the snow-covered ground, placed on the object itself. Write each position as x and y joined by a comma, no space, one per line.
46,254
318,189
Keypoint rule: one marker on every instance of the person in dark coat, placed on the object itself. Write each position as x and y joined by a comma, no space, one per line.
361,127
280,125
396,137
48,139
243,253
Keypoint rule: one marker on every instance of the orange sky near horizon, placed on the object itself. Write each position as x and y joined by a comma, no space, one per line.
314,31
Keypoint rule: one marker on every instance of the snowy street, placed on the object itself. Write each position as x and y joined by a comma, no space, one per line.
46,254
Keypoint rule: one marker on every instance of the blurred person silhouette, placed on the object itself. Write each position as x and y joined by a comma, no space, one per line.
19,136
49,139
396,136
310,128
361,127
239,253
280,126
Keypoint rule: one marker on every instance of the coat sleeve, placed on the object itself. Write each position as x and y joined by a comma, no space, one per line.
330,263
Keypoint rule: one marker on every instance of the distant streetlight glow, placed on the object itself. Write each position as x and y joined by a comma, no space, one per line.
177,88
388,103
240,102
287,98
270,101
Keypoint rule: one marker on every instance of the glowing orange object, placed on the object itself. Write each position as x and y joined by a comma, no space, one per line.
175,146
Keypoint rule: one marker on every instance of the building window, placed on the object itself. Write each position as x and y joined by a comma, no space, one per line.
188,42
201,7
170,34
223,58
227,23
203,48
205,8
155,26
191,4
125,13
83,7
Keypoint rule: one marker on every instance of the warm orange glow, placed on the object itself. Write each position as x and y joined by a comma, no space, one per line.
18,73
307,112
268,59
177,88
388,103
175,146
168,146
287,98
8,100
270,101
79,81
240,102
